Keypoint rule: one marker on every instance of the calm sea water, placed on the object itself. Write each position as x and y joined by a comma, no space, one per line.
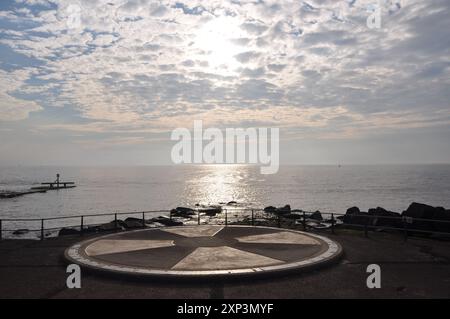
324,188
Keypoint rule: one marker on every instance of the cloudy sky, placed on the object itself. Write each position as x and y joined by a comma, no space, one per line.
105,81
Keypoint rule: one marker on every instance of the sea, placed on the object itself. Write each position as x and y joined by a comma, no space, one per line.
331,189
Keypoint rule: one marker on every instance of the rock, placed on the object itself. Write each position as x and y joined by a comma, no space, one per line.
385,218
132,222
353,211
418,210
91,229
185,210
280,210
111,226
21,231
354,216
292,216
232,203
316,215
423,211
166,221
68,232
283,210
270,209
442,214
413,216
182,212
211,210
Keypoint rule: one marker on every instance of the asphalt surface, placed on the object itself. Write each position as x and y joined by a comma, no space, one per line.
417,268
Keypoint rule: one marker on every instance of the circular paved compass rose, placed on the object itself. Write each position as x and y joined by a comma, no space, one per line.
199,251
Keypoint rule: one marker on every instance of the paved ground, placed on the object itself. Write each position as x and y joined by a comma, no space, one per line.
204,251
419,268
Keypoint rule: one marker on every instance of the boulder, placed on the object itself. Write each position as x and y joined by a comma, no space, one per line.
185,210
132,222
91,229
316,215
443,215
418,210
166,221
182,212
292,216
211,210
353,211
354,216
111,226
385,218
270,209
283,210
68,232
423,211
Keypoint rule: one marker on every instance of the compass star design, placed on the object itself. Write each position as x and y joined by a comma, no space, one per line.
204,250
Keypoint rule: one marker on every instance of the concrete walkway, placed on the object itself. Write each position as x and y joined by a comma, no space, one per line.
419,268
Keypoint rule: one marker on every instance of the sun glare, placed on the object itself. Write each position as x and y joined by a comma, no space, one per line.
215,39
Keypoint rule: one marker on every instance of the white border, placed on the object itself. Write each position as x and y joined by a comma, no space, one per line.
334,251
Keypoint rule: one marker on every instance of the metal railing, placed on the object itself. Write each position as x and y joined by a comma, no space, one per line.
250,216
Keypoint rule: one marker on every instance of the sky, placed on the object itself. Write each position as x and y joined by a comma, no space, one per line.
105,82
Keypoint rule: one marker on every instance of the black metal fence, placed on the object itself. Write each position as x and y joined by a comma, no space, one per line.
248,216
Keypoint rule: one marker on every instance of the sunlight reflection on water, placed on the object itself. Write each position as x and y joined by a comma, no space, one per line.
220,184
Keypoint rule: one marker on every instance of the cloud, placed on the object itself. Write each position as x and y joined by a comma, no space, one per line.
245,57
13,108
152,64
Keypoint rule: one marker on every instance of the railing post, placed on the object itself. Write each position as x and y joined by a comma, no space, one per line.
405,228
82,225
226,217
366,228
143,219
115,222
304,221
1,230
253,217
279,221
332,223
42,229
198,217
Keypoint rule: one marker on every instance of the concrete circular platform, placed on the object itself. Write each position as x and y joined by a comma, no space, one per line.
204,251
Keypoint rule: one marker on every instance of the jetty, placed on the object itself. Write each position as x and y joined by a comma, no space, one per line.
43,188
57,184
12,194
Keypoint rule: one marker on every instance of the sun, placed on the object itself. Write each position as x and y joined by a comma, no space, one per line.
215,40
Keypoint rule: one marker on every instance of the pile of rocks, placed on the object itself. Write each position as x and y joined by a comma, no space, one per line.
127,224
438,218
